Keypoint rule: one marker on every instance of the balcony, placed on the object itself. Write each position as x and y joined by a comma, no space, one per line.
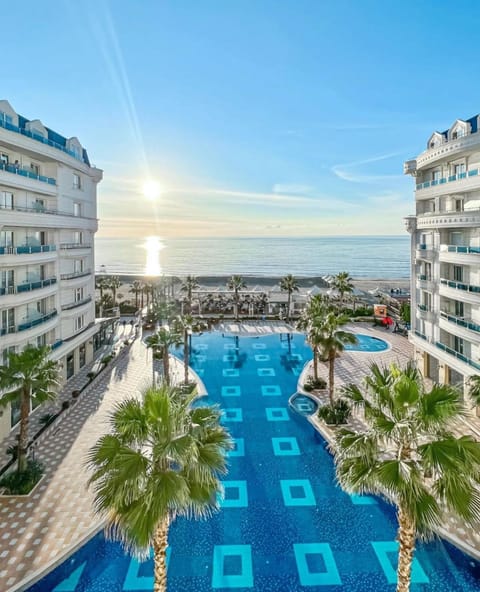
75,246
13,128
26,172
461,321
27,287
460,286
46,218
29,323
451,184
75,274
425,251
27,249
462,254
425,282
76,304
458,355
449,219
425,312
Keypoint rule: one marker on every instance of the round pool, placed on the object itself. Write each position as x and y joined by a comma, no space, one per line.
303,404
367,343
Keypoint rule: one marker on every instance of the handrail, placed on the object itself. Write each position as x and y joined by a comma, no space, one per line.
460,286
75,274
75,245
449,179
27,249
26,172
42,210
27,287
457,355
460,321
77,303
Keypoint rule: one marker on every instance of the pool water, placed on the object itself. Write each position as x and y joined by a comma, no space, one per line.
367,343
303,404
285,526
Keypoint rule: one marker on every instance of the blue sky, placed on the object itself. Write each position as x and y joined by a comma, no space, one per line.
255,117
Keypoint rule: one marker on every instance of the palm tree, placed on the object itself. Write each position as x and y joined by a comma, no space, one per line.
114,283
332,341
148,291
409,454
136,288
102,284
27,379
289,284
342,282
311,321
474,390
188,286
163,459
186,325
160,344
236,283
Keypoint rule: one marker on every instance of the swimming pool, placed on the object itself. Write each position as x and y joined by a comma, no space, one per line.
367,343
285,525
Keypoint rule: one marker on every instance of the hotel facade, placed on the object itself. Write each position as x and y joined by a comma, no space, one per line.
445,254
48,218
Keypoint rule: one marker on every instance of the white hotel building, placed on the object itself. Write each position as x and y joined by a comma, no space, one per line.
48,218
445,254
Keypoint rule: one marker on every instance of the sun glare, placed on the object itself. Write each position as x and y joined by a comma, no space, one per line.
153,245
151,189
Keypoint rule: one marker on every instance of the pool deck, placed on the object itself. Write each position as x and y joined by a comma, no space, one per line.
351,367
38,531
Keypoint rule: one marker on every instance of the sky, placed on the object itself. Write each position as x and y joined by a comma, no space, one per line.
252,117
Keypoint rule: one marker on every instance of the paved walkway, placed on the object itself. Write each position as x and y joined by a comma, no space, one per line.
351,367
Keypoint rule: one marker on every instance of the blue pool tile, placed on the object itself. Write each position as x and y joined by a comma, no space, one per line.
201,346
233,414
230,373
232,566
235,494
387,555
259,346
70,583
277,414
297,371
134,580
286,345
200,358
362,500
295,357
230,358
271,390
316,564
229,346
238,447
231,391
297,492
262,358
285,447
265,371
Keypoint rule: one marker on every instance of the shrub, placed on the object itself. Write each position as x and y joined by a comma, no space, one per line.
13,451
65,405
107,359
91,376
312,384
16,483
75,394
47,418
335,414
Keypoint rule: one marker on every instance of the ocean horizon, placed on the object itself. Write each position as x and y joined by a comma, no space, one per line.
362,256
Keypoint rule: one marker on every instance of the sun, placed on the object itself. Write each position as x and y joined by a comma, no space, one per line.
151,189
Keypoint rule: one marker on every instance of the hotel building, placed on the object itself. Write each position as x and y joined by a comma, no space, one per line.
48,218
445,254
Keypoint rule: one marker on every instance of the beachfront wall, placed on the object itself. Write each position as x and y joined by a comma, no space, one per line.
48,205
445,254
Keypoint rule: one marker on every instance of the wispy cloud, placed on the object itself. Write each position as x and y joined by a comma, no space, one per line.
295,188
347,171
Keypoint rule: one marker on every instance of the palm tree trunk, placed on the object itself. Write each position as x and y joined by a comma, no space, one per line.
185,356
288,307
166,369
23,433
331,375
160,543
406,542
315,363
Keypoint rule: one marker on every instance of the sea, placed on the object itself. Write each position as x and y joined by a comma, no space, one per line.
366,257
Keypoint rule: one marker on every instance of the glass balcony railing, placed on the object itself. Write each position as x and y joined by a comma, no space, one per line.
6,124
26,172
423,308
27,249
463,249
461,321
29,323
460,286
27,286
424,278
71,305
42,210
449,179
57,343
458,355
75,246
75,274
421,335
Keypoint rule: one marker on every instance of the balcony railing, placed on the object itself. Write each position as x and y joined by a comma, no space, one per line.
42,210
421,335
71,305
450,179
461,249
27,287
423,308
29,323
75,246
27,249
460,286
13,128
26,172
56,344
75,274
461,321
458,355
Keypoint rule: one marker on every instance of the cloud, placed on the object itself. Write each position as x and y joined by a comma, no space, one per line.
292,188
345,172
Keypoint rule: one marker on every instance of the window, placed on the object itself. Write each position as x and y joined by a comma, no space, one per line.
458,273
458,345
459,205
78,238
78,265
8,320
78,323
7,281
42,340
77,209
459,309
6,200
70,365
436,175
6,238
35,168
39,205
78,294
4,159
77,184
82,355
459,169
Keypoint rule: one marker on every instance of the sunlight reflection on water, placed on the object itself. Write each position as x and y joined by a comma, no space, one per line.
153,245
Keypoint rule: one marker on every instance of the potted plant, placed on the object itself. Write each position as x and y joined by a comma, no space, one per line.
335,414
